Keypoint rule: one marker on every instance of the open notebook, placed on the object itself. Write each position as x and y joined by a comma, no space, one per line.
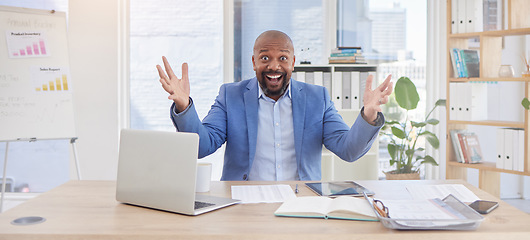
343,207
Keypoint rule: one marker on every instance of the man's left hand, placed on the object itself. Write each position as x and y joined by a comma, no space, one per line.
373,99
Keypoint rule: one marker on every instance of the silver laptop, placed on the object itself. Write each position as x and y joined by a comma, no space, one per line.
158,170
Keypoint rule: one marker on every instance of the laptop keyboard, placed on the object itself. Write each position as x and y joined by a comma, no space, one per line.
199,205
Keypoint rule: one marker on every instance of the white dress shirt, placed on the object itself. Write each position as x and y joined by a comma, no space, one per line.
275,158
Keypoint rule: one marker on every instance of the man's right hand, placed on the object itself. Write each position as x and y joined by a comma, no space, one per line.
178,89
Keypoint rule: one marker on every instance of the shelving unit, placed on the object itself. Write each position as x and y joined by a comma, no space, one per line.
331,69
490,60
334,168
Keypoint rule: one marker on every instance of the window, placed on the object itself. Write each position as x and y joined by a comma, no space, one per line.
392,34
302,20
183,31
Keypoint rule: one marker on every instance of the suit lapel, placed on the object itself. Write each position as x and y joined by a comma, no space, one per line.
298,103
251,111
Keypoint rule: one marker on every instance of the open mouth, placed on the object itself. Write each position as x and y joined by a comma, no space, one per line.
274,78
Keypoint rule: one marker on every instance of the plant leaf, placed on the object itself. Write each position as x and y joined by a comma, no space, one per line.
392,149
433,121
398,133
392,162
429,160
440,102
431,138
409,152
392,122
406,94
418,124
526,103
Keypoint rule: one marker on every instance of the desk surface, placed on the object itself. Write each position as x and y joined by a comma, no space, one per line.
88,210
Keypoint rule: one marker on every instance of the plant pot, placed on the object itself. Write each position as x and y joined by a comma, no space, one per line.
402,176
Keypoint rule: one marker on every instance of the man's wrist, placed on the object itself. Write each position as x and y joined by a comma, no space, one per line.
181,108
176,109
375,121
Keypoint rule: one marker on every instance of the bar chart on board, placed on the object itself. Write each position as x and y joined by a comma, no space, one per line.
36,87
23,44
50,79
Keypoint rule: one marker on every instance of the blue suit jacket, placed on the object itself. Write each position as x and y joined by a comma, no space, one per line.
233,119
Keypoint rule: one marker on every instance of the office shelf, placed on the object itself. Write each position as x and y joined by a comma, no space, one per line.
490,52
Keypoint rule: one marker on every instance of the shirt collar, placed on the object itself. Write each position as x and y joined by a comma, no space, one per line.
288,91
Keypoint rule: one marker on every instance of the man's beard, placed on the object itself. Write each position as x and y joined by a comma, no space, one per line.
267,91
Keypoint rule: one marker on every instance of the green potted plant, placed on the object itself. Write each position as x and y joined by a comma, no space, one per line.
405,155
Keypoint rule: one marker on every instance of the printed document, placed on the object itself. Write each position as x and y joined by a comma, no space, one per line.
421,209
441,191
262,193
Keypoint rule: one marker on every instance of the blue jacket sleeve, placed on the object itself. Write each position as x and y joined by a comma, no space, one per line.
211,131
348,143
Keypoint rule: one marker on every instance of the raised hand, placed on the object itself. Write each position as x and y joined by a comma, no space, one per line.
178,88
374,98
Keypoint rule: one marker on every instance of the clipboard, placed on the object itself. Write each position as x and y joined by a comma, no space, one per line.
470,218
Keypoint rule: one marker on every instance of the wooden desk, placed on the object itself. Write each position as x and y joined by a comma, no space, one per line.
88,210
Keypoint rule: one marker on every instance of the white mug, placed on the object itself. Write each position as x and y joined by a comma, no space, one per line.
204,176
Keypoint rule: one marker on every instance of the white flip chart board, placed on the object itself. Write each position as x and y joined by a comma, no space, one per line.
35,84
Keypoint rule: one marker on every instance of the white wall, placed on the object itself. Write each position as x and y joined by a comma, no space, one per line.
93,28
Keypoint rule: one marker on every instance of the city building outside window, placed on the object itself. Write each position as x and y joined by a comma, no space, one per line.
392,34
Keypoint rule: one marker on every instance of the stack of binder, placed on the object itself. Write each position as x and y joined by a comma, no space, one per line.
319,78
468,101
510,149
346,88
476,15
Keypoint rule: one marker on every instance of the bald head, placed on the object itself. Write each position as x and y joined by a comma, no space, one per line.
273,36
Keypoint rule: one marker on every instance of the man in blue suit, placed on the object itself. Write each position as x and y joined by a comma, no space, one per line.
274,126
